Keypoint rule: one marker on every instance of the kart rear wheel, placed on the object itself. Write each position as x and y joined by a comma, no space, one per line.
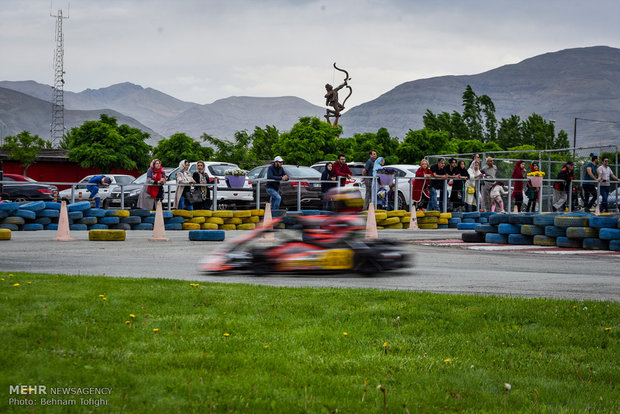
366,265
260,265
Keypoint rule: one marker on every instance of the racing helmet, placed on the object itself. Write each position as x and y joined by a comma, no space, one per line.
345,200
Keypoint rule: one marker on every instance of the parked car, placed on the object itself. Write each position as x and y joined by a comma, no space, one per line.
21,188
305,178
133,189
104,192
227,196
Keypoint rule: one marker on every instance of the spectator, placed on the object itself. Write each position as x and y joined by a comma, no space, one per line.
605,174
275,173
458,173
328,175
518,174
420,187
93,186
496,196
532,192
379,162
589,188
390,197
366,172
438,171
200,177
562,186
182,196
341,169
471,192
154,190
490,173
474,158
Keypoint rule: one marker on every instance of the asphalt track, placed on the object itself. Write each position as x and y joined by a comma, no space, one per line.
436,266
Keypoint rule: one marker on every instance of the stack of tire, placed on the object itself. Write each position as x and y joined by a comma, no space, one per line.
214,220
38,215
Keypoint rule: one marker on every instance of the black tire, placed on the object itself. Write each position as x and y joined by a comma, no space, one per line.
595,244
365,264
473,237
260,265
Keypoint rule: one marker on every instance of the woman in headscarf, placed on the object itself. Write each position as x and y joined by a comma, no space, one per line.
420,186
471,195
518,174
532,192
181,199
153,190
200,177
327,175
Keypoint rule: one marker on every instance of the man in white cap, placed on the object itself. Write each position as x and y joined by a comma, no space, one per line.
275,174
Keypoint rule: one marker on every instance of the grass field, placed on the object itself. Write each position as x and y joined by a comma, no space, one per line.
171,346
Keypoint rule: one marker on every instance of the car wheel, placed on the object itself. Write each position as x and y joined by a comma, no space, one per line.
402,203
365,264
20,199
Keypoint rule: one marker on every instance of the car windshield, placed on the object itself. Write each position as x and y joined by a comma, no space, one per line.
7,179
123,179
30,179
413,170
220,169
299,172
355,170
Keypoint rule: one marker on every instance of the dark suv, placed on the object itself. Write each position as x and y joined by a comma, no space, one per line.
305,178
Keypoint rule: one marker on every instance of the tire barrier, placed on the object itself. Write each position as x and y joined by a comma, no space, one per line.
131,220
461,226
604,222
44,220
208,226
531,230
380,216
27,214
498,219
171,226
432,213
110,220
78,227
121,226
554,231
234,220
506,228
190,226
609,234
142,226
197,220
591,243
581,232
182,213
389,221
4,214
430,226
246,213
571,221
175,220
98,227
139,212
48,212
545,219
34,206
542,240
223,213
472,237
485,228
207,235
496,238
9,226
79,206
75,215
523,218
95,212
106,235
520,239
400,213
5,234
88,220
9,206
471,214
614,245
52,205
16,220
570,243
53,226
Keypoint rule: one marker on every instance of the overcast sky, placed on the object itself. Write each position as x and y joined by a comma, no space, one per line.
204,50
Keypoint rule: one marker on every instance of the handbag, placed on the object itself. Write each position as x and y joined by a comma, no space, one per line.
195,195
471,190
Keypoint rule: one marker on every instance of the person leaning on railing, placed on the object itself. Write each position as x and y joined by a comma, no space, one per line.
367,171
605,174
490,173
471,194
562,186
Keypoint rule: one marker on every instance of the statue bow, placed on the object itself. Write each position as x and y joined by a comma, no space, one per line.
346,79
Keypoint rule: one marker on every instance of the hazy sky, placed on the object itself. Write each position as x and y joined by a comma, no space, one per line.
204,50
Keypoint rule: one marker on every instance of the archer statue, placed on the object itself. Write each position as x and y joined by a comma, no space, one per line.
331,98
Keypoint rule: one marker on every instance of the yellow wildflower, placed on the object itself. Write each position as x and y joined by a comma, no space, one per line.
345,334
226,334
15,284
127,322
104,299
266,346
607,329
1,278
10,274
384,344
30,283
102,296
447,360
131,315
155,330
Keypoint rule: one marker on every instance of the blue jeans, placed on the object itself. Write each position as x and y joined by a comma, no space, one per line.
432,204
276,198
605,196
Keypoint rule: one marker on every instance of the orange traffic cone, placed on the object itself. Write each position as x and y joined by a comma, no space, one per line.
63,233
268,236
413,222
159,230
371,224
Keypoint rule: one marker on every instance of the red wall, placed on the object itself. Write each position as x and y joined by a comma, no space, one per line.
54,171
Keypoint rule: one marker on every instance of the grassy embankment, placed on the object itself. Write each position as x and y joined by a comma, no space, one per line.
167,346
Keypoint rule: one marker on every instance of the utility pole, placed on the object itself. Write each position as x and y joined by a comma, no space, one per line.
57,127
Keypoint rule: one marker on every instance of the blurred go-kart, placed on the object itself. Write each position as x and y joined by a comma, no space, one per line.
328,243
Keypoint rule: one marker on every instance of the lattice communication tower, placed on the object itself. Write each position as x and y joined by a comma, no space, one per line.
57,128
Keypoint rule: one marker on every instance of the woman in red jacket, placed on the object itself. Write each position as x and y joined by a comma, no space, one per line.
518,174
420,187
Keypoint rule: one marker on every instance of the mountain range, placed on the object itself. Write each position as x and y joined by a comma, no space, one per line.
582,83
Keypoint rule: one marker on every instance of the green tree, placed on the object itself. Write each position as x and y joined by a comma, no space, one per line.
104,145
509,133
24,148
263,141
381,141
237,152
471,113
309,140
422,142
179,147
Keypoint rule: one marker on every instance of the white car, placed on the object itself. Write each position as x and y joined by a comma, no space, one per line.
226,195
403,173
80,193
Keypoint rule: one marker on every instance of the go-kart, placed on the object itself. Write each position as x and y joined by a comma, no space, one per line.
327,244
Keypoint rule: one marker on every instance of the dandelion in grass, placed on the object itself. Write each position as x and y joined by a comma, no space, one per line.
102,296
226,334
156,330
104,299
2,278
447,360
266,346
15,284
127,322
10,274
132,316
345,334
608,330
30,283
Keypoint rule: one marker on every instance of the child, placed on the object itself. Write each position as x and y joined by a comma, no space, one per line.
496,196
390,197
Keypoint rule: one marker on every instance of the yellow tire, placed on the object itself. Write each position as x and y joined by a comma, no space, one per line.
427,225
405,219
428,220
208,226
106,235
251,219
445,216
215,220
234,220
183,213
121,213
380,216
198,220
432,213
242,213
190,226
442,221
395,226
381,211
405,225
396,213
5,234
202,213
379,227
228,227
246,226
389,221
419,214
259,212
223,213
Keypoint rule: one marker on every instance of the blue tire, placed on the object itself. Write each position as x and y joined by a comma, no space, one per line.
149,220
498,218
595,244
32,227
52,205
52,226
17,220
486,228
43,220
454,220
469,220
554,231
531,230
109,220
98,226
34,206
466,226
604,222
9,206
443,226
12,227
495,238
48,212
471,214
581,232
167,214
95,212
207,235
88,220
120,226
614,245
506,228
175,220
523,218
27,214
78,227
570,243
139,212
75,215
571,221
457,215
520,239
609,234
142,226
4,214
486,214
79,206
483,220
170,226
546,219
131,220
